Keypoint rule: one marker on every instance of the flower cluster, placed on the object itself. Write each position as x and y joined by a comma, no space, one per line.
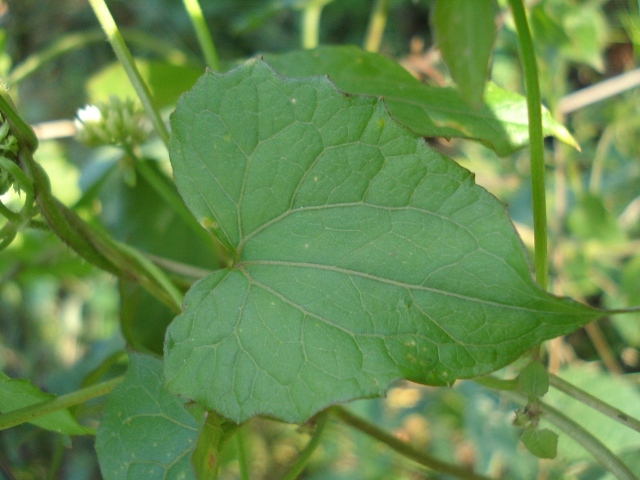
8,151
116,122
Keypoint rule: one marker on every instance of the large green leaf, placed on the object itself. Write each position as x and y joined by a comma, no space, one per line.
146,431
500,123
361,255
15,394
464,33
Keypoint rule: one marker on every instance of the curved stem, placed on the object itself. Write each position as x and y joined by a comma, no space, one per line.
605,457
242,456
302,460
401,447
31,412
377,22
202,33
536,140
595,403
126,60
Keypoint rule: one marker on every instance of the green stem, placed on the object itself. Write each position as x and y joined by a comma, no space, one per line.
126,60
77,40
202,33
605,457
311,24
536,140
302,460
377,22
401,447
595,403
32,412
242,456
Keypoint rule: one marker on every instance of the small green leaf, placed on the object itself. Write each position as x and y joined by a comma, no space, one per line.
146,431
15,394
534,380
542,443
361,255
165,81
465,32
501,123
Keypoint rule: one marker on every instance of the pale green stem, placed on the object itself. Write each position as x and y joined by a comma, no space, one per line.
377,22
401,447
32,412
302,460
536,140
242,455
202,33
311,24
126,60
595,403
605,457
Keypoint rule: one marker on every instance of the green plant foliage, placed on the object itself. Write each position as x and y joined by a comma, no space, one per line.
360,255
534,380
618,392
501,123
146,431
543,443
465,32
15,394
165,80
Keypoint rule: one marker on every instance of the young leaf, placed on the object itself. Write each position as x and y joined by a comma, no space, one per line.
501,123
534,380
15,394
465,32
361,255
543,443
146,431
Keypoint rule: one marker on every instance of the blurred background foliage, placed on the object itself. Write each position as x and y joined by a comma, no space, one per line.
64,324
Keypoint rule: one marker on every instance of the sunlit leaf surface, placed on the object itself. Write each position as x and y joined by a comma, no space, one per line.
361,256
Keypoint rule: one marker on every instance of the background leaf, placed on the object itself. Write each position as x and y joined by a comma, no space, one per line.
362,256
501,123
146,431
464,33
15,394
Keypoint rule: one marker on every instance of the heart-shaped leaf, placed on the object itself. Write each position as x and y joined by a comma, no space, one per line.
361,256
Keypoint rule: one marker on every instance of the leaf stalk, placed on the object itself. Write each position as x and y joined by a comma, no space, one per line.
32,412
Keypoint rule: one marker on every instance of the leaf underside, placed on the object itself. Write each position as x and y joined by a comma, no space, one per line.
146,431
361,255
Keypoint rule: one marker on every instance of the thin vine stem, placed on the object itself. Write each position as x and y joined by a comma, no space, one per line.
32,412
242,456
536,140
302,460
605,457
401,447
311,24
595,403
126,60
202,33
377,22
